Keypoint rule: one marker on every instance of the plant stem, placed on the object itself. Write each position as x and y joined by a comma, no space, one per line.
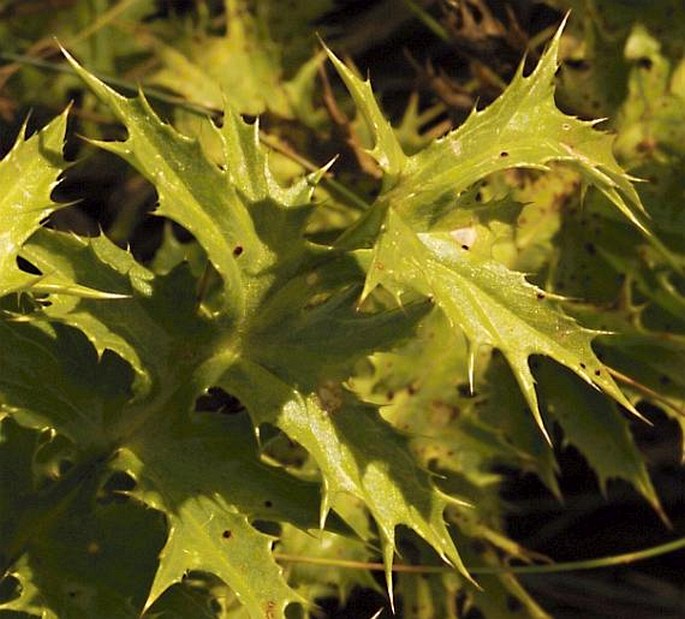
568,566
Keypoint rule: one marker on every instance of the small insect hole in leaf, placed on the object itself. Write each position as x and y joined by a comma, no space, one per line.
238,250
583,366
504,153
227,534
540,295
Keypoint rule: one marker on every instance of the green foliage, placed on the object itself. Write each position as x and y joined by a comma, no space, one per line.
373,383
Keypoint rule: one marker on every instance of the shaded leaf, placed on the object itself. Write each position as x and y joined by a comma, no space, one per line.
89,560
209,504
77,390
596,428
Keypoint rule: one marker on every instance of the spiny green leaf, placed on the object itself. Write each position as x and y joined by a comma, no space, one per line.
387,150
492,305
150,328
523,128
97,262
357,452
231,210
209,503
192,191
28,174
76,390
82,558
596,428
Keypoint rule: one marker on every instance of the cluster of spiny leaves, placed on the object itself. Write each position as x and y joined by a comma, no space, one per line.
410,344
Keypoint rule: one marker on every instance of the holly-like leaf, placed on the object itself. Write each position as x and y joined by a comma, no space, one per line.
274,313
165,463
229,209
387,150
28,175
357,452
209,505
76,388
122,325
521,129
81,558
492,305
596,428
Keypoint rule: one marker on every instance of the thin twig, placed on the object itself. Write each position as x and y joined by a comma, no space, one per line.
568,566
